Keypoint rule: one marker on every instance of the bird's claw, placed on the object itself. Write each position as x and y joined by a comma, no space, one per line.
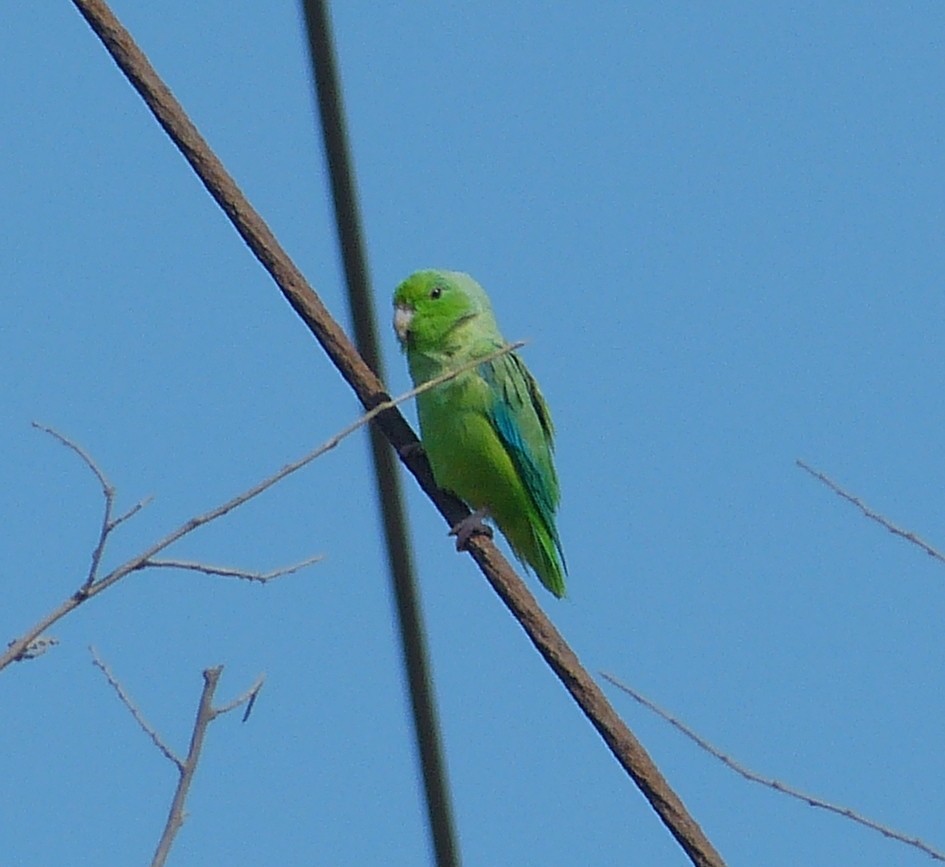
471,525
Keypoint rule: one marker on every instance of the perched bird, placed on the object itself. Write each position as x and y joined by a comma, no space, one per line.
487,433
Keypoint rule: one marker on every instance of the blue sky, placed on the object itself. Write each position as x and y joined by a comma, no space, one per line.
721,229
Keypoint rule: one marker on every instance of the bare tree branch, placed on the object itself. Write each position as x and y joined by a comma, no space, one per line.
908,535
17,649
370,391
206,714
25,646
186,768
770,782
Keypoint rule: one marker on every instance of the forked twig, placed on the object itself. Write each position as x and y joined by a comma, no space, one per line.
108,491
186,768
206,714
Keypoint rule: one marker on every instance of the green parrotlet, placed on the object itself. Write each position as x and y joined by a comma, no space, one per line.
487,433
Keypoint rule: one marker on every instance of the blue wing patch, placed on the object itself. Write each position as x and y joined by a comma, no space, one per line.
515,391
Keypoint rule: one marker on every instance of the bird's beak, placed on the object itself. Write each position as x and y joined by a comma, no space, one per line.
402,318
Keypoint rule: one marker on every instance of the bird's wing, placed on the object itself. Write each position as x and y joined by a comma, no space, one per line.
520,416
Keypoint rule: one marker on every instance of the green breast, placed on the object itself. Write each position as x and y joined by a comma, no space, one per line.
466,454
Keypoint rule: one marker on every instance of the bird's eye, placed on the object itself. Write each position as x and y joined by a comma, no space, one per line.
436,292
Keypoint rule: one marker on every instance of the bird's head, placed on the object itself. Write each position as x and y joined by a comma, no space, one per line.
430,305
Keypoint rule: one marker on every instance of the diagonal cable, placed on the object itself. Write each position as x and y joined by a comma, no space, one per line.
404,587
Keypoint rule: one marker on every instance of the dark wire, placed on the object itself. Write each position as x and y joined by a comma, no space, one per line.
413,643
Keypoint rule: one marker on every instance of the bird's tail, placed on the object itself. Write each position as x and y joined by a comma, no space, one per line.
547,559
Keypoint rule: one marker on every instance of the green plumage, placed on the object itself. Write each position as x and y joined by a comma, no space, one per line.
488,433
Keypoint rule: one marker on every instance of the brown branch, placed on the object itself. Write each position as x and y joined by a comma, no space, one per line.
370,391
770,782
908,535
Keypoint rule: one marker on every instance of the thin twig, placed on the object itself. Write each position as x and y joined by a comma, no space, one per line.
770,782
146,727
107,488
370,391
229,571
908,535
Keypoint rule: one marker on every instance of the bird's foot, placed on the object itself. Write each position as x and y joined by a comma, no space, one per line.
470,526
